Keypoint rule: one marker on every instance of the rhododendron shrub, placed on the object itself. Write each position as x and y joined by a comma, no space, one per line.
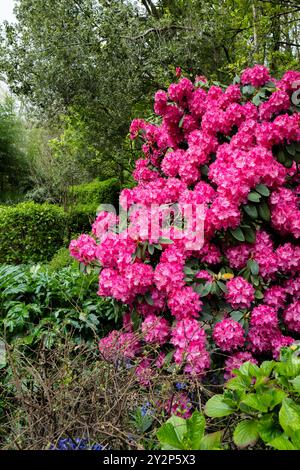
234,152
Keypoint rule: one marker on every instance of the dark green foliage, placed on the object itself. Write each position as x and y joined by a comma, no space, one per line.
31,232
86,199
96,192
39,304
80,219
61,259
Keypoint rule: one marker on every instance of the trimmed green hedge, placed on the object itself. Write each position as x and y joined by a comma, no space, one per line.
96,192
31,232
86,198
80,219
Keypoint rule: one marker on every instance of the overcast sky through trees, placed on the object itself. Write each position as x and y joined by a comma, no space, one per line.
6,10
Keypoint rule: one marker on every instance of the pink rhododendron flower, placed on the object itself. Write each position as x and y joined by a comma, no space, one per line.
263,315
202,274
275,297
228,335
184,303
119,345
144,372
155,329
240,293
256,76
292,317
189,339
84,249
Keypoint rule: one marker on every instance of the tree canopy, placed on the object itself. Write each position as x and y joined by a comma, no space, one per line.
102,60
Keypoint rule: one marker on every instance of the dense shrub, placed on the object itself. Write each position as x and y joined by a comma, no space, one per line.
86,198
30,232
268,397
96,192
37,303
61,259
80,218
233,151
259,407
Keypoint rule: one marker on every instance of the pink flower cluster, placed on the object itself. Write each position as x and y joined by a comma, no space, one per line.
264,334
284,259
180,405
84,249
285,211
256,76
240,293
229,335
155,329
189,340
213,147
119,345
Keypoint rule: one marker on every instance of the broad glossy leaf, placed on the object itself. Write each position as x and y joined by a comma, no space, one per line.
246,433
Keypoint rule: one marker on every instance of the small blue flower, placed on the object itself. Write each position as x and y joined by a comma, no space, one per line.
180,386
146,408
75,444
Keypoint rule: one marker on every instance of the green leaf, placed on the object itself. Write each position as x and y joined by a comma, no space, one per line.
254,401
277,396
282,443
211,441
264,211
149,299
288,163
238,234
203,289
296,383
253,266
289,416
250,234
258,294
248,90
222,286
171,434
281,156
254,196
237,315
151,249
158,246
268,428
188,270
295,438
266,367
254,280
195,430
263,190
250,210
246,433
256,99
291,149
270,86
217,407
165,241
181,121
